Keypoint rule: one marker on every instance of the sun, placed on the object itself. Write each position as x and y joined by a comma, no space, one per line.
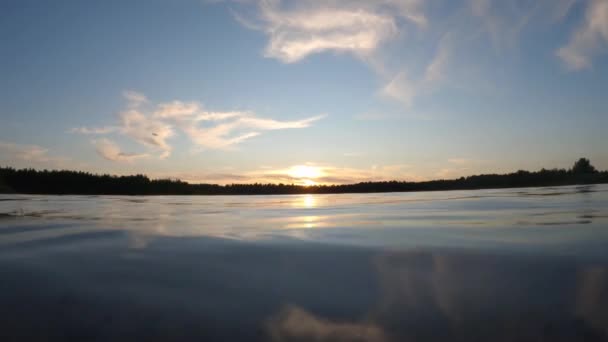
305,172
309,182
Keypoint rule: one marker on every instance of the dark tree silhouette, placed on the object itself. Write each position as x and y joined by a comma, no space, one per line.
30,181
583,166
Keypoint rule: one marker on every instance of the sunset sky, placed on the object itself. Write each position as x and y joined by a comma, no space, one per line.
305,91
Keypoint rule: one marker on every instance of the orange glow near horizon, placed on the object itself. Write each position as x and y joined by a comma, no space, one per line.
306,172
308,182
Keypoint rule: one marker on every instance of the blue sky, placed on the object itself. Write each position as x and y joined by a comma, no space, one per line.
307,92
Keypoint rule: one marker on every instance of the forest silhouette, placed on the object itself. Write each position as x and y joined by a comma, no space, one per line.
63,182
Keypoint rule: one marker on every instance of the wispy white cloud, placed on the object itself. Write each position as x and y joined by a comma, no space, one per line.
92,131
217,137
590,39
436,70
235,128
134,98
25,152
385,34
503,21
153,128
297,30
221,130
147,130
401,89
30,154
177,109
111,151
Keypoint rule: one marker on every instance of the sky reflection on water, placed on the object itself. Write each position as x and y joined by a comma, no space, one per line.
518,264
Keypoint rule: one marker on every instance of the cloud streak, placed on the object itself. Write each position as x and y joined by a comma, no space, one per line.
147,131
30,154
221,130
111,151
93,131
403,89
152,128
589,39
236,129
386,34
305,28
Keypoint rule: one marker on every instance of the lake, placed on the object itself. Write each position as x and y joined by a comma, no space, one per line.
488,265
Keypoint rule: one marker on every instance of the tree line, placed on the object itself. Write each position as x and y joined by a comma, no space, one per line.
63,182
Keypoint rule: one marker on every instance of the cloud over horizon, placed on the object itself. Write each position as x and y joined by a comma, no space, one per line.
111,151
153,127
30,154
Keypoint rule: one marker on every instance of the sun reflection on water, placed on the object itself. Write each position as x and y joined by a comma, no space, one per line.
309,221
305,222
308,201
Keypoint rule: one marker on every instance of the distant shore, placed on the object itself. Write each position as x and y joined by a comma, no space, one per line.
61,182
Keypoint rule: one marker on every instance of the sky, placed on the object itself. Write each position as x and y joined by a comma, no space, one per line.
305,92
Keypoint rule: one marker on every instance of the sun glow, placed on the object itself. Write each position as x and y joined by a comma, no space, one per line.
306,172
308,182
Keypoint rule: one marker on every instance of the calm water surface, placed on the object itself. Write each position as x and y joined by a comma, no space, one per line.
489,265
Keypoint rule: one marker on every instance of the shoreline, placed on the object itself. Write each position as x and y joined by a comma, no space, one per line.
304,193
